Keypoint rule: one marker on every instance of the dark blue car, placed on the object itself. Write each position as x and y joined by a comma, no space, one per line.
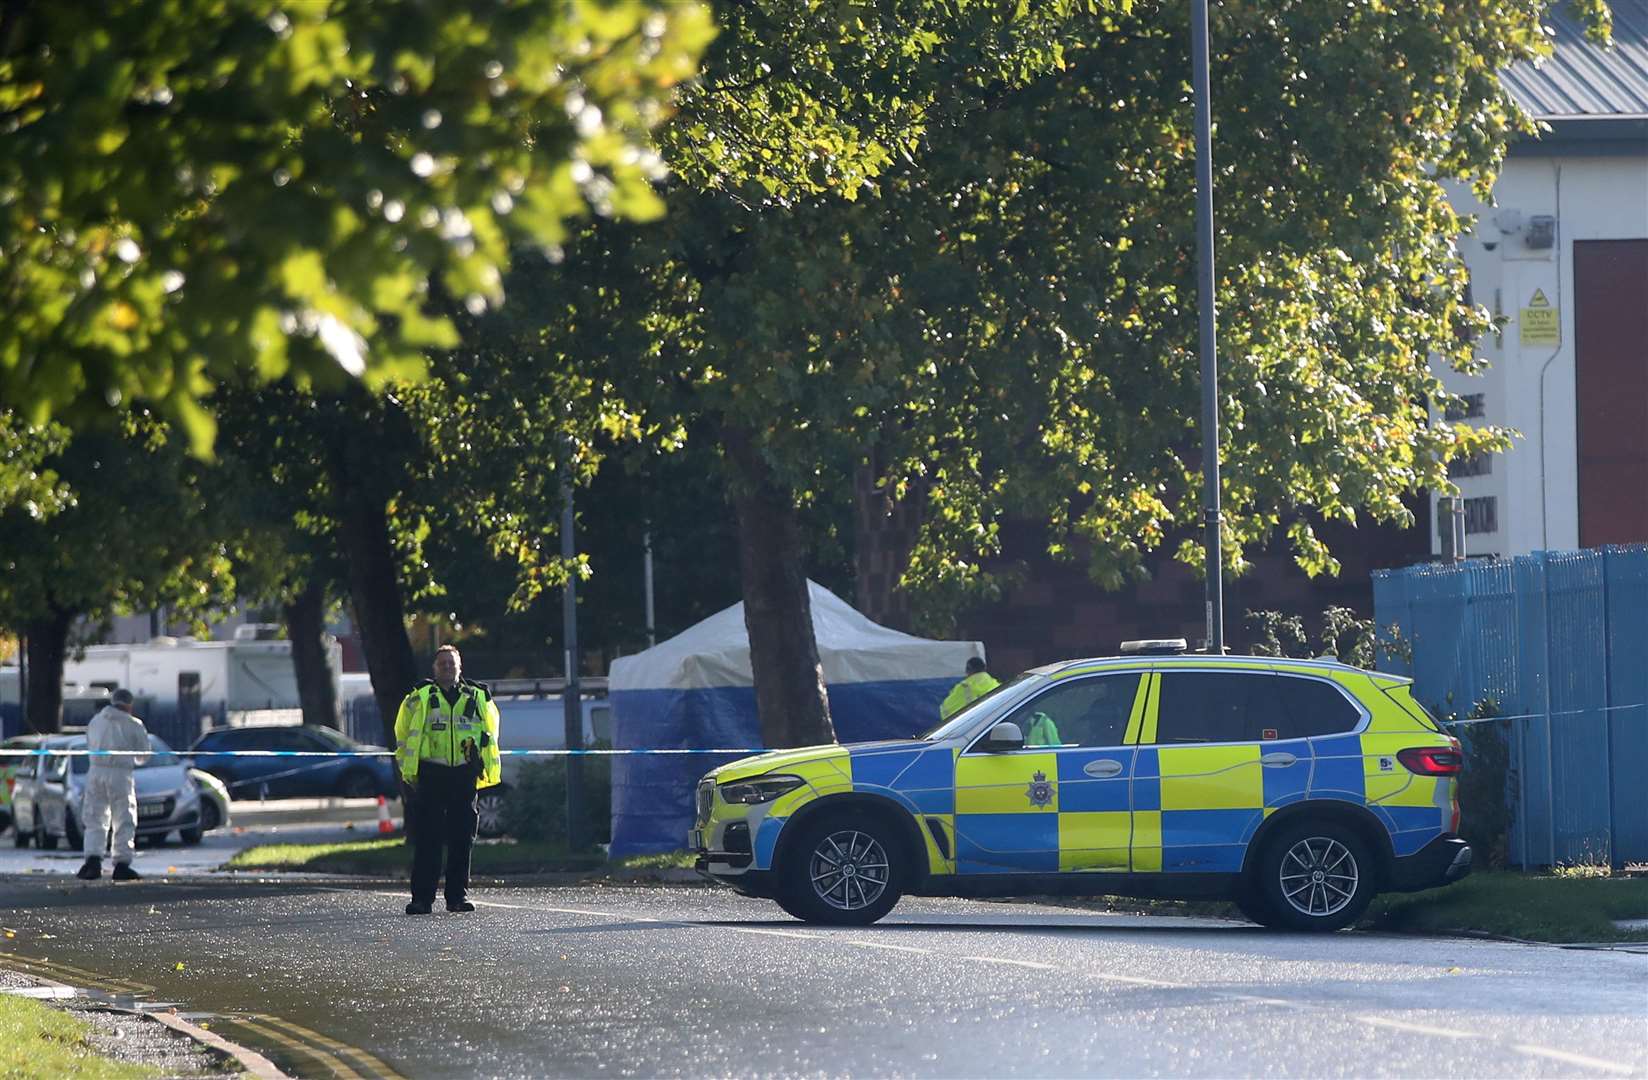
279,777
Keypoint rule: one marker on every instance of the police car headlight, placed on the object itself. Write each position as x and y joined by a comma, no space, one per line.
759,790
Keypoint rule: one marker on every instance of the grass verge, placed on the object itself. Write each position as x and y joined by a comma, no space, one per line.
1557,908
390,857
37,1040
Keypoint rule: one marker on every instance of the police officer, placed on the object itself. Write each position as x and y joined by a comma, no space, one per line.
446,747
977,683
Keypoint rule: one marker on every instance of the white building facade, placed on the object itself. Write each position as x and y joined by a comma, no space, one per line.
1561,260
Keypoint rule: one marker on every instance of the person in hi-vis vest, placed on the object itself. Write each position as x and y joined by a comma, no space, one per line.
977,683
446,747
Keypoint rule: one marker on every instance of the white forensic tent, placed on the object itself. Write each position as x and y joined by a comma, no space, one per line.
695,691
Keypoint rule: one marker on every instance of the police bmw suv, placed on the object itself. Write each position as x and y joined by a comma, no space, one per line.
1297,789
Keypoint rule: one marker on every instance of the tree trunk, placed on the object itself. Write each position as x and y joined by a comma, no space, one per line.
306,626
374,589
48,646
789,681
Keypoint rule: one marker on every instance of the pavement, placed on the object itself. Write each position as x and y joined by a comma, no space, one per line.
285,821
669,981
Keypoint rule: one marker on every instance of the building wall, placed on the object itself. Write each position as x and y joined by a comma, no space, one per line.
1531,385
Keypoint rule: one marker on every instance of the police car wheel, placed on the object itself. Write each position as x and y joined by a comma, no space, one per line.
844,871
1251,903
1316,877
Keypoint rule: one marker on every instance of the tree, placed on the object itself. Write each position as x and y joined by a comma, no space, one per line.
980,289
270,489
138,534
194,190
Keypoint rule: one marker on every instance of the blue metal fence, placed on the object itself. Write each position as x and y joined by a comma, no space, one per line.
1559,642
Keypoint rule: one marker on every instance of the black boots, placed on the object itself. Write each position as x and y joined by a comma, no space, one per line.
123,872
415,908
461,905
91,869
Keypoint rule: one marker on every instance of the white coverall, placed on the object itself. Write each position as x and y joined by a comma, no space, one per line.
109,785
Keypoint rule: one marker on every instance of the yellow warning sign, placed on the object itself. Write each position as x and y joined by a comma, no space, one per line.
1540,322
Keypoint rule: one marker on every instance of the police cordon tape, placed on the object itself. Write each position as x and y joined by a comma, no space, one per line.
83,752
587,752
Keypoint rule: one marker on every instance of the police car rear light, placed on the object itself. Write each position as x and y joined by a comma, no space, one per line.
1432,760
1155,647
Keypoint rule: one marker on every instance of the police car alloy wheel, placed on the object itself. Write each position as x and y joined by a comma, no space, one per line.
1315,877
849,870
844,870
1319,876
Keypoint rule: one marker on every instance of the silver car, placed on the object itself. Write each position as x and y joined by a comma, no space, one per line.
47,799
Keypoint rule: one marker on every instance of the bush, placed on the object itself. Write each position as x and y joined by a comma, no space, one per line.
1484,795
535,808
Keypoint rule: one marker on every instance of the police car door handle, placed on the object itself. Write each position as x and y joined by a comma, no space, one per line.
1102,768
1279,759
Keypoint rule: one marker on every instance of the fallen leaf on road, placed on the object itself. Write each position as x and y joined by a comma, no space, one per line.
171,869
154,911
47,937
1455,971
178,966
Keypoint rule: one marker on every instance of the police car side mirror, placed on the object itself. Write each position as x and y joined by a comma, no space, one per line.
1004,736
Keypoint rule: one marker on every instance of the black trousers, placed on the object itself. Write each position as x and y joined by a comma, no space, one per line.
445,818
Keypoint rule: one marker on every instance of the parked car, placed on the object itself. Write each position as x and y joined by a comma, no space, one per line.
48,800
9,768
282,777
1297,789
214,801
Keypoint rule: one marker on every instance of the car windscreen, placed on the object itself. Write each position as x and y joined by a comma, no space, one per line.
335,740
970,712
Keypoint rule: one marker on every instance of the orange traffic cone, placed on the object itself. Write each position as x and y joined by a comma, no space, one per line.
384,824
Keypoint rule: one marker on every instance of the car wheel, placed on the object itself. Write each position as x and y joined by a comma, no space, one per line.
1315,877
1251,903
21,838
190,837
489,811
358,785
73,838
43,840
843,870
210,816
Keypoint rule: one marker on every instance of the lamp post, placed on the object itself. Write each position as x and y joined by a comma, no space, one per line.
572,708
1209,352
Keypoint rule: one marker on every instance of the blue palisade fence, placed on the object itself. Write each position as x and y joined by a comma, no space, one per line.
1559,642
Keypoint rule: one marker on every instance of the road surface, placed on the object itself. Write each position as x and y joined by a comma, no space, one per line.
681,981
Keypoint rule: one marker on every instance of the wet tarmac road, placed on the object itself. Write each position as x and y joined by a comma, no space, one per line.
688,981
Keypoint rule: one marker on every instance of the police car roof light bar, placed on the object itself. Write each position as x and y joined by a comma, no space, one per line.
1155,647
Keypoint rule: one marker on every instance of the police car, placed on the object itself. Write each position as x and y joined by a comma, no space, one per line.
1296,788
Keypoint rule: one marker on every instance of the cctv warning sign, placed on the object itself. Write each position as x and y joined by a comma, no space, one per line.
1540,322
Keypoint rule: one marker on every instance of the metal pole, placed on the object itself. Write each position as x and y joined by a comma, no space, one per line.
1614,859
1205,295
646,564
23,681
572,707
1550,748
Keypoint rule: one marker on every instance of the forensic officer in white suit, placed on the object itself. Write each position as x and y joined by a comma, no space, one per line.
110,789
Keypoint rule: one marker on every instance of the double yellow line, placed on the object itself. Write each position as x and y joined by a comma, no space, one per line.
303,1051
315,1055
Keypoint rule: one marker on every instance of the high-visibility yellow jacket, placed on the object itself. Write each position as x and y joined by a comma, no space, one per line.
427,728
966,692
